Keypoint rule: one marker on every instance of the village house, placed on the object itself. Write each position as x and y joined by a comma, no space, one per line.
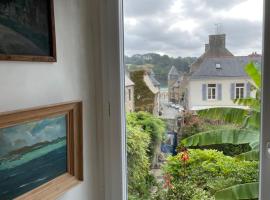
218,77
215,79
219,81
174,85
129,95
146,91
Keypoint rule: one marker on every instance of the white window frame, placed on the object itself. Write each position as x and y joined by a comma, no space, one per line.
107,31
265,131
238,90
212,88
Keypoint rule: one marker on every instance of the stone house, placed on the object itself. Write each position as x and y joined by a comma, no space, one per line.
174,79
146,91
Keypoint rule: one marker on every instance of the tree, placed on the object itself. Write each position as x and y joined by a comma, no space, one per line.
246,131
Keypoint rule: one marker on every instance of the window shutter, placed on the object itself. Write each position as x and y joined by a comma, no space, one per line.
219,88
204,97
232,91
248,89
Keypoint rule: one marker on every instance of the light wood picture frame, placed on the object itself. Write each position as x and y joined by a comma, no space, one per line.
41,151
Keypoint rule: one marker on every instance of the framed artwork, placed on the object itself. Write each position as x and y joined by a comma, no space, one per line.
41,152
27,30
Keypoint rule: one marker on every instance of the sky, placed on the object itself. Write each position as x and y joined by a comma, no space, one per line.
181,27
28,134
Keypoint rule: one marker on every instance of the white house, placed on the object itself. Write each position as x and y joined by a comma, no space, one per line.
218,81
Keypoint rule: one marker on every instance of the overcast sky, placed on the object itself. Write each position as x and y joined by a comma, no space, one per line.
181,27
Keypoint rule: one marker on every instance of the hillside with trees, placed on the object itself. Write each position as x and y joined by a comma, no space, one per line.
161,64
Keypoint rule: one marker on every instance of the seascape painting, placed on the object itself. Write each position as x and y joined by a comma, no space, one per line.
32,154
25,27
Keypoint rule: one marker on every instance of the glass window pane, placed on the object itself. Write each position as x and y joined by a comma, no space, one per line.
172,49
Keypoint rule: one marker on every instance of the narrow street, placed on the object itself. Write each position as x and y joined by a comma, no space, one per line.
167,111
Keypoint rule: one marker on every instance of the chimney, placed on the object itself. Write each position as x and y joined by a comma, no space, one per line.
217,41
206,47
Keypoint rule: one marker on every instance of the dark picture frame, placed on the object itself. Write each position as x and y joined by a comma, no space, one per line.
28,29
41,121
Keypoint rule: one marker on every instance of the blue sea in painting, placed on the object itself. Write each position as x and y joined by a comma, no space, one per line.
31,154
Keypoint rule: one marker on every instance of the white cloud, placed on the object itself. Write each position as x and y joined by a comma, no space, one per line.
251,10
181,27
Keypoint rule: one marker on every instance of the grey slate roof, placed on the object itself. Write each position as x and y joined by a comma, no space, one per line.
230,67
173,71
153,79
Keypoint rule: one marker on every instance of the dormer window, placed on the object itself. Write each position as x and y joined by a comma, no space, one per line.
218,66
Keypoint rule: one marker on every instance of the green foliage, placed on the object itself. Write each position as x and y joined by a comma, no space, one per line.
248,133
154,126
209,171
192,124
250,155
228,115
242,191
228,149
184,191
144,132
254,73
138,161
221,136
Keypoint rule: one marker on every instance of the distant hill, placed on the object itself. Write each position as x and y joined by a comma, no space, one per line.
161,64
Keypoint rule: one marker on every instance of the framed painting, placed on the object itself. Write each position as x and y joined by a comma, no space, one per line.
27,30
41,152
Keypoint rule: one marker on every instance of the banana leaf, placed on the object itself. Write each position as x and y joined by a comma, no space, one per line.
229,115
222,136
253,155
239,192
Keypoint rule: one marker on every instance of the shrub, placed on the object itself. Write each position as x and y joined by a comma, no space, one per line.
154,126
186,191
144,132
191,125
207,171
138,162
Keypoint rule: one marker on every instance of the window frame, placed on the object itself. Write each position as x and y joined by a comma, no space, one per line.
108,59
238,90
110,119
212,88
265,110
129,94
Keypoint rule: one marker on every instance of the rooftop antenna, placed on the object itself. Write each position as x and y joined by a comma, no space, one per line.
218,27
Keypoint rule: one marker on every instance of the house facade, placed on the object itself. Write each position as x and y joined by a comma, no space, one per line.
129,95
178,84
174,85
146,91
219,81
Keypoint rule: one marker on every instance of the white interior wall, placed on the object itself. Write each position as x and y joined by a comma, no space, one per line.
29,84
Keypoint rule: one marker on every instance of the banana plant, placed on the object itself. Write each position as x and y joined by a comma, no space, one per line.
246,130
246,120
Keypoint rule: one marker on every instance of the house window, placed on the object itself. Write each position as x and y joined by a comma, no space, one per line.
212,91
239,90
129,94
